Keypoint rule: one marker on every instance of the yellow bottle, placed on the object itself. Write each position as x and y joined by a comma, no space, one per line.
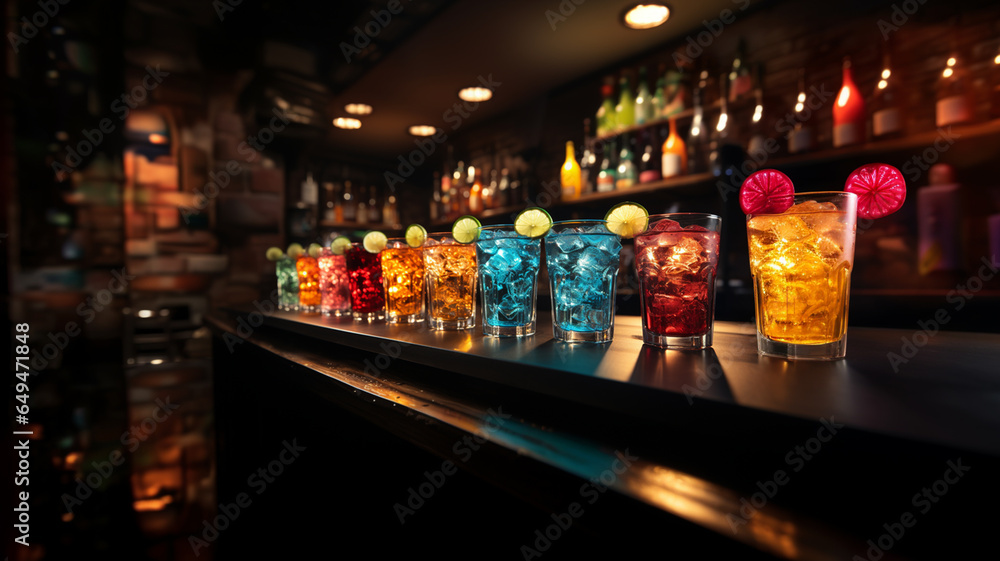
674,158
570,176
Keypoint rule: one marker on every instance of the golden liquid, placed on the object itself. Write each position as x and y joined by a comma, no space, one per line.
308,271
801,264
403,276
451,281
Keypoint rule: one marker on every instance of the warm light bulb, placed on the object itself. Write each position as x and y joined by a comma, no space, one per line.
358,108
799,107
882,84
422,130
723,119
801,98
886,73
758,112
646,16
475,94
948,72
996,59
952,61
346,123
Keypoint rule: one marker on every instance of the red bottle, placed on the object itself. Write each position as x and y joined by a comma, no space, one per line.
848,112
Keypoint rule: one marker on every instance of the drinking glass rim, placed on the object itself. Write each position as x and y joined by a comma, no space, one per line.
581,222
812,194
702,214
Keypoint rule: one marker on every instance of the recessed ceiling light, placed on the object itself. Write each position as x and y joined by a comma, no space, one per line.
346,123
646,16
422,130
358,108
475,94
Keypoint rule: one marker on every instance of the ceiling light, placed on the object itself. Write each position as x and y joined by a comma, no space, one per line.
422,130
646,16
475,94
346,123
358,108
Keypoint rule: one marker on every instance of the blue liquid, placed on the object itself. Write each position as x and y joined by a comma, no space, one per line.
508,269
583,270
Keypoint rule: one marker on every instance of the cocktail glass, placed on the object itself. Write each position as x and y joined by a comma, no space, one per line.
801,262
334,284
288,284
582,258
307,268
364,269
403,277
508,271
676,259
451,282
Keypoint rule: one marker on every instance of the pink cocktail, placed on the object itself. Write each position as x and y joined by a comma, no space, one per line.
334,284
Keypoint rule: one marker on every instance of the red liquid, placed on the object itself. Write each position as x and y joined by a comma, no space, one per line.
365,272
334,284
676,272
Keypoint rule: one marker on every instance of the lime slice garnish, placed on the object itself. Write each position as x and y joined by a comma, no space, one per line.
314,249
465,229
340,244
415,235
533,222
295,250
274,253
627,219
374,241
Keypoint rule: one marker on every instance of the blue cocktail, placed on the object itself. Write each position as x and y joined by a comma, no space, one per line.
508,269
582,258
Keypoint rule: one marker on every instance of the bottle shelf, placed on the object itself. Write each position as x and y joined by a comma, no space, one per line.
358,226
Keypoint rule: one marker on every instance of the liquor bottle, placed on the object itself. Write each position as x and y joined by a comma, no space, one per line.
457,188
361,214
607,175
718,135
625,110
740,79
350,203
848,111
338,204
939,214
374,209
569,175
800,138
674,160
588,170
953,100
390,214
758,133
643,100
659,101
435,209
606,112
649,162
627,174
503,188
675,92
697,134
490,191
310,191
473,194
329,204
886,118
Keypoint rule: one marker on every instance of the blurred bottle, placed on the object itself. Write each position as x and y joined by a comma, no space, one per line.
740,79
643,100
350,203
887,120
649,161
374,208
329,203
625,110
607,176
674,159
939,216
627,174
697,135
435,210
606,112
800,138
476,190
953,98
569,175
849,114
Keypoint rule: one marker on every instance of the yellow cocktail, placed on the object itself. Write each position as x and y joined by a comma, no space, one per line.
451,282
801,262
403,277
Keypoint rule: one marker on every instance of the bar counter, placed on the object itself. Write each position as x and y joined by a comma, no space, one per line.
566,449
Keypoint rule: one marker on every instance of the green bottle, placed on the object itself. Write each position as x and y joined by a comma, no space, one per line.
628,173
659,101
606,112
625,110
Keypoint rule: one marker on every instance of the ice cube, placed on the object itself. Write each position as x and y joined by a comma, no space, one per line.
592,261
666,225
511,308
505,260
568,244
